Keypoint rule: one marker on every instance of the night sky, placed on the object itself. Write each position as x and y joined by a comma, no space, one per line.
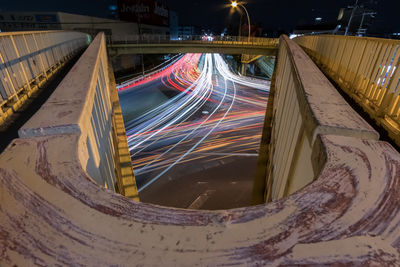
212,14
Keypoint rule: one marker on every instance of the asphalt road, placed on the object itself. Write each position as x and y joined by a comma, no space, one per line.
193,130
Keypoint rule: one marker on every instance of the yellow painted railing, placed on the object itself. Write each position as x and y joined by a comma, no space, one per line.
126,181
190,39
367,69
28,59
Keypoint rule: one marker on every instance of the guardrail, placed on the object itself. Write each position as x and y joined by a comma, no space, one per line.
166,39
27,59
367,69
51,211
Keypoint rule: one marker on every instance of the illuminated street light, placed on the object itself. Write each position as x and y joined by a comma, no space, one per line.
235,4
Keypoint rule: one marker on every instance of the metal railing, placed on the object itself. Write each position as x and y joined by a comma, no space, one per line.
191,39
367,69
267,65
27,59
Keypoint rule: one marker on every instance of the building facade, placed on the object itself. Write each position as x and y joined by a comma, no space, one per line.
32,21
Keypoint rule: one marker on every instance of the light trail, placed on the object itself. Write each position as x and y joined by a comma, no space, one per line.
208,118
202,88
223,69
192,148
187,135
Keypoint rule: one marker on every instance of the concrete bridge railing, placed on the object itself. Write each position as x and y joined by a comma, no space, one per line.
27,59
305,105
81,106
52,212
367,69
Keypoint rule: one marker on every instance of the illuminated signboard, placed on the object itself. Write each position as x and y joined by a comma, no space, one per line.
144,11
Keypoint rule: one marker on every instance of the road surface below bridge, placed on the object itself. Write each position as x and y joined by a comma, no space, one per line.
193,130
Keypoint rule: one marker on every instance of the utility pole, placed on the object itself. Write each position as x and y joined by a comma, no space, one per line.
351,17
138,16
362,31
240,26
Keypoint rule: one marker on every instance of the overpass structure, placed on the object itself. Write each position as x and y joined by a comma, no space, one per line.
161,44
331,187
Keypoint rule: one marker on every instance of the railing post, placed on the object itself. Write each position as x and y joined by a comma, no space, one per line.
383,107
20,63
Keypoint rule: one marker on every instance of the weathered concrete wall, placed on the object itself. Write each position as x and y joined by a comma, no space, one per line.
306,104
51,211
82,104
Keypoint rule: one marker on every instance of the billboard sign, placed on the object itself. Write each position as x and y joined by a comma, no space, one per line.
26,21
149,12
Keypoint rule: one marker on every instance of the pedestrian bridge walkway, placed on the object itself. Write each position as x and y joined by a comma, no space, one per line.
330,187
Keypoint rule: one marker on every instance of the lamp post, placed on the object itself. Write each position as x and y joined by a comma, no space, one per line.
235,4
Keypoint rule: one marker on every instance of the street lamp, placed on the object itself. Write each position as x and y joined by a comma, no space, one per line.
235,4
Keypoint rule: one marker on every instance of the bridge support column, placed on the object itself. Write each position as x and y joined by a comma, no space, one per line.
243,69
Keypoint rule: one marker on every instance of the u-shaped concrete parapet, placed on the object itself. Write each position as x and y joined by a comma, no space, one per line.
53,212
304,104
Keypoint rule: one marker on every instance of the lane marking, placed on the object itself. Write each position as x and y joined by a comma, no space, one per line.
200,200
